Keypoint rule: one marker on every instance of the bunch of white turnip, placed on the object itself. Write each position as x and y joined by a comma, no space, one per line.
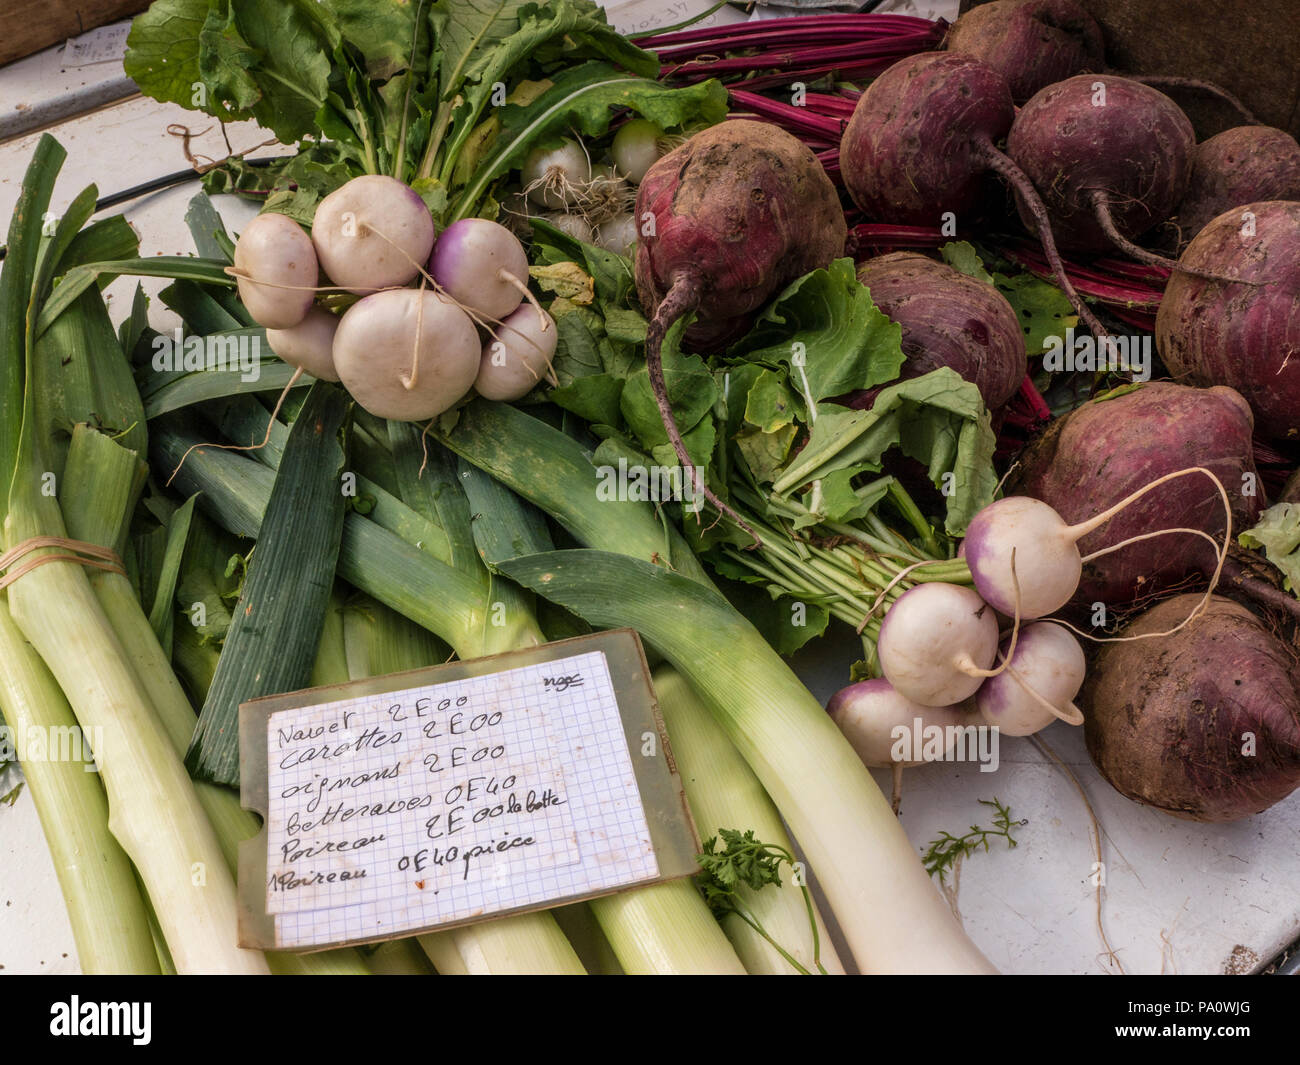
439,314
955,655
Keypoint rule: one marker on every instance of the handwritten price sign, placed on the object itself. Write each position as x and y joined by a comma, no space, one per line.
435,804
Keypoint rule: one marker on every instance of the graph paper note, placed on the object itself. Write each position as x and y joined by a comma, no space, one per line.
449,802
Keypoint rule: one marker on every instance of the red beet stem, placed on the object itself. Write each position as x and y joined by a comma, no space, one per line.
1029,392
855,54
883,25
1142,293
787,115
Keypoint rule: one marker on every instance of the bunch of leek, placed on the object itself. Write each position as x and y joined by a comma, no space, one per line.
154,813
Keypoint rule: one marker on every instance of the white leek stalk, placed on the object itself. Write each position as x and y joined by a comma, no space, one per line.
724,793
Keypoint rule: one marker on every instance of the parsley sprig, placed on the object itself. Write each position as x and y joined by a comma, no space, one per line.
744,861
942,853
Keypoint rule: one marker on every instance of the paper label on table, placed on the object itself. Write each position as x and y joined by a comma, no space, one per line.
646,16
451,801
107,44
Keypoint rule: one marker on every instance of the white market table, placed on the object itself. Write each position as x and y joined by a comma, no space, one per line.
1178,897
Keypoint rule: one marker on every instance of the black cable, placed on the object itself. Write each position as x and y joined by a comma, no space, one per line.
167,181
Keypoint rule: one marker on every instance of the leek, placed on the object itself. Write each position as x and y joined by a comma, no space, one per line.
153,810
276,630
723,792
100,483
862,857
235,494
665,929
110,923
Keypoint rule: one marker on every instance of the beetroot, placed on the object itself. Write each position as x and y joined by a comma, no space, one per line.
1036,43
1108,171
921,136
1032,43
1106,449
1203,724
949,319
1243,335
1245,164
921,140
739,210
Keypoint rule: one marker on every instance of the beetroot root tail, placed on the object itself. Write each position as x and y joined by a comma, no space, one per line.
1003,165
1171,81
1101,209
680,299
1235,575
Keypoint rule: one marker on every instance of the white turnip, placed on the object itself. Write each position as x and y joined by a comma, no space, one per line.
407,354
372,233
276,271
517,356
1045,672
872,715
937,642
309,345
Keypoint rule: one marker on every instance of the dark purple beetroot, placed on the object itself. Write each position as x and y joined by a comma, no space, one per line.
739,211
1108,172
1246,164
1203,724
1105,450
949,319
921,140
1032,43
1243,335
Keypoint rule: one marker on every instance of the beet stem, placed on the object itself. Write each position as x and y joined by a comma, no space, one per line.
681,298
1035,400
1019,180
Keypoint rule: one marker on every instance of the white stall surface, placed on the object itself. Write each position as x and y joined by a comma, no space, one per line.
1176,897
